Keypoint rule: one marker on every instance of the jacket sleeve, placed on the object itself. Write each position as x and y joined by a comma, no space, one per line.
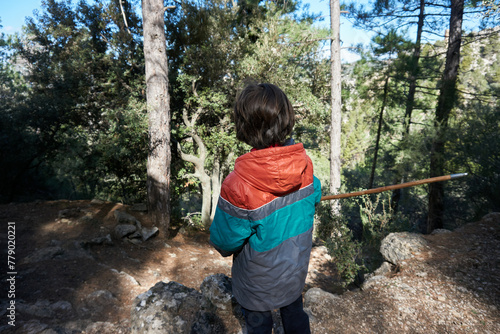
317,190
228,234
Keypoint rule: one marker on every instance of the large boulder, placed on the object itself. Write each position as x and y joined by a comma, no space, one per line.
124,218
173,308
397,247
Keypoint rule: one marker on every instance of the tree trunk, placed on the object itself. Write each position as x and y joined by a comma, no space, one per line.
446,102
379,131
158,105
216,183
199,165
335,128
410,101
414,69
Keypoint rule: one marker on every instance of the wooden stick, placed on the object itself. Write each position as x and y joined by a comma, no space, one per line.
394,186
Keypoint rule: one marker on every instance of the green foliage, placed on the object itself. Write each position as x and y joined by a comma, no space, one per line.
343,248
211,62
84,71
73,122
287,52
379,219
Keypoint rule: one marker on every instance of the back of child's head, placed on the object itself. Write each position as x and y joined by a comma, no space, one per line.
263,116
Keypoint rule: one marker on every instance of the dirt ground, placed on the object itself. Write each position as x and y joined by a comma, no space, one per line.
59,259
68,275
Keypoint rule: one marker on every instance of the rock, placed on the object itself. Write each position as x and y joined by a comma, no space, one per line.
318,305
43,254
100,327
491,217
33,327
46,309
135,241
66,251
99,301
62,309
123,230
148,233
397,247
218,290
384,268
87,219
173,308
377,276
96,201
99,241
40,309
69,213
124,218
126,276
135,235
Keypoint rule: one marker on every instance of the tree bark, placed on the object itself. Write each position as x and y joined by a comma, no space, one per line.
335,128
216,183
446,102
379,131
158,106
410,101
199,166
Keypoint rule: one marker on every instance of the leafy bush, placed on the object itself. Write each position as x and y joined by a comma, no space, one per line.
353,256
379,219
340,243
345,251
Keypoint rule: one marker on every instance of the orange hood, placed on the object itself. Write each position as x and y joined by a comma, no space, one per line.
275,170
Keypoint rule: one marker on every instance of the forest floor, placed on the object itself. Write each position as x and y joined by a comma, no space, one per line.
67,275
61,259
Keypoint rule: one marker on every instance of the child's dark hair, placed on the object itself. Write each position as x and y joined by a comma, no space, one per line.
263,116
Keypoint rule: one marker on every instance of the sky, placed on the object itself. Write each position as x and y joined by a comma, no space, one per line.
14,12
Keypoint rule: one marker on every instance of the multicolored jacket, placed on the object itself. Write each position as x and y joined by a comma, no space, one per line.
264,217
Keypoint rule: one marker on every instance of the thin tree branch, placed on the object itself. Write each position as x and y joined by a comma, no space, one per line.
124,16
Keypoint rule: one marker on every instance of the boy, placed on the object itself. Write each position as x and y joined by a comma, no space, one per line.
264,215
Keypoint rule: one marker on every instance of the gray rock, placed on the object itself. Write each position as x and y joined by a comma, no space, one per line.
100,328
318,305
100,241
384,268
128,277
218,290
123,230
40,309
33,327
87,219
124,218
173,308
397,247
148,233
62,309
100,300
46,309
97,201
377,276
43,254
